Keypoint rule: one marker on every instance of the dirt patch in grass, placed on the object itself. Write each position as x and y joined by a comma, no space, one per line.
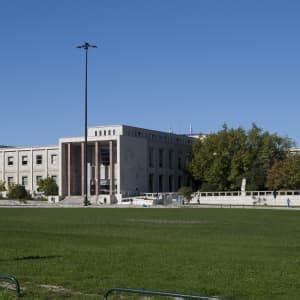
175,222
61,289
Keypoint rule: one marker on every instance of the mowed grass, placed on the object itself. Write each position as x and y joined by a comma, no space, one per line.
237,253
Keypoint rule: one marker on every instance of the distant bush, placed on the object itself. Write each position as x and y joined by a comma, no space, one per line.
18,191
48,186
186,192
2,186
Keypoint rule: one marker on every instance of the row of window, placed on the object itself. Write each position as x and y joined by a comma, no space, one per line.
172,186
38,160
157,137
105,132
10,180
161,163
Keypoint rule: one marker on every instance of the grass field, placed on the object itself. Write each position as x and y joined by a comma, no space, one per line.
238,253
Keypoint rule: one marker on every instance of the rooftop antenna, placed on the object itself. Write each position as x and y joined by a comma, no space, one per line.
170,130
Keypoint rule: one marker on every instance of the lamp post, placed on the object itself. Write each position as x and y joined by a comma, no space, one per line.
86,47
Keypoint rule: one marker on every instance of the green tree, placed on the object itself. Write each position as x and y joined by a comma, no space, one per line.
48,186
221,160
17,191
285,174
186,192
2,186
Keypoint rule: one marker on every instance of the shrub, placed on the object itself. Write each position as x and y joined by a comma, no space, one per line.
48,186
186,192
2,186
18,191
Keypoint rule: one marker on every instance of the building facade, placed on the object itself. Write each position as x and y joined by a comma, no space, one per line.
122,161
27,166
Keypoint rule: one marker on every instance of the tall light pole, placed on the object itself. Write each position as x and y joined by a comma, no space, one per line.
86,47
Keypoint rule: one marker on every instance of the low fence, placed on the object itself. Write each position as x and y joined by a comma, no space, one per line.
151,294
253,198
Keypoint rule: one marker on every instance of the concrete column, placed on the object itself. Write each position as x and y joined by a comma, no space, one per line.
31,169
17,167
82,169
97,168
69,169
46,163
111,169
3,167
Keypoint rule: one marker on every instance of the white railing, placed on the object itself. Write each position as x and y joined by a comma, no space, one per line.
247,193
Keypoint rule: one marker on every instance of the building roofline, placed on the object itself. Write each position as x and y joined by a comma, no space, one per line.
13,148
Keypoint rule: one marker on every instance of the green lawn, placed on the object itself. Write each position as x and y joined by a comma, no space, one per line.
238,253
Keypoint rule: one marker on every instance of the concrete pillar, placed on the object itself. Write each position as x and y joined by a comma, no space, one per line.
46,163
69,169
17,167
31,168
82,169
3,166
97,168
111,169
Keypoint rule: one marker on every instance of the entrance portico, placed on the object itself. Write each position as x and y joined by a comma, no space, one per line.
102,165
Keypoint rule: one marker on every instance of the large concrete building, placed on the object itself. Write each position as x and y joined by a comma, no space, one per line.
122,161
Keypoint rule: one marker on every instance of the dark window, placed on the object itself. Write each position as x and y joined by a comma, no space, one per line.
10,161
179,163
39,159
10,181
160,158
151,157
179,182
171,183
160,183
24,180
171,155
150,183
24,160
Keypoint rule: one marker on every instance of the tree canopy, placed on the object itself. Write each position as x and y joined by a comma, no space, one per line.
48,186
285,174
221,160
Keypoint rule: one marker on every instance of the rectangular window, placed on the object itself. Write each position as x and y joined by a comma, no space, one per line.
24,160
171,183
150,157
104,132
114,132
171,154
10,181
10,161
38,179
151,183
160,183
179,163
95,132
100,132
179,182
108,132
53,159
39,159
160,158
24,180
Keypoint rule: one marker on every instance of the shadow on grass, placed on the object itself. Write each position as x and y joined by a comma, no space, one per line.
31,257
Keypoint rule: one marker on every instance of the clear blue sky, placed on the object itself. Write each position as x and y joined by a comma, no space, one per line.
159,64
